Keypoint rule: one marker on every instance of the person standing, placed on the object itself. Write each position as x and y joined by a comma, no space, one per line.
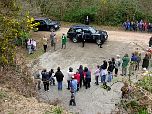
83,38
59,77
45,79
53,40
69,77
110,71
81,75
52,80
150,42
133,63
29,45
64,40
87,21
73,89
125,63
88,77
117,64
45,41
73,85
37,79
97,74
103,73
145,63
77,77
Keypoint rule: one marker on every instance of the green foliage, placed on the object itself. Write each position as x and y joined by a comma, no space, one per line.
80,14
58,110
3,95
107,12
146,83
13,27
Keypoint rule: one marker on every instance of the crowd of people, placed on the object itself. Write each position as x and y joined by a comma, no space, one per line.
31,43
103,73
137,26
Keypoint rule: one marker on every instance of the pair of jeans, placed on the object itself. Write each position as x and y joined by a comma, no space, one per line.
59,85
103,78
110,76
46,85
29,49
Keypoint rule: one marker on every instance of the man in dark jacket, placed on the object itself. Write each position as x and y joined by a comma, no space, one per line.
150,42
88,77
83,38
45,79
81,75
59,77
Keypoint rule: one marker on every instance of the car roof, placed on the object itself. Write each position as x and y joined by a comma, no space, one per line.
41,18
80,26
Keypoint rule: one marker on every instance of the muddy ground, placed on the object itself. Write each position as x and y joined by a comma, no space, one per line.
95,99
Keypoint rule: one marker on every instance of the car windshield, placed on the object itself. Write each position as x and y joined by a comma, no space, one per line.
48,21
92,30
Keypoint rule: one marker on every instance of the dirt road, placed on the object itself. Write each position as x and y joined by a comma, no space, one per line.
95,99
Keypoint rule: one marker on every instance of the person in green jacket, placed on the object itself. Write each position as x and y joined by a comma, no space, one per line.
64,40
125,63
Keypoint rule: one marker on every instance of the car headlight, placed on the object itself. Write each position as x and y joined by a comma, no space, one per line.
56,26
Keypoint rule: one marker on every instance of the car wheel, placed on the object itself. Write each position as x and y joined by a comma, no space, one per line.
75,40
52,29
98,41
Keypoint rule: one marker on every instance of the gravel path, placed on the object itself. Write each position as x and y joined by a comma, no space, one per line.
95,99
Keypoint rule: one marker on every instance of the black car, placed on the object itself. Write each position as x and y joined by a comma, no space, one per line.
90,33
46,24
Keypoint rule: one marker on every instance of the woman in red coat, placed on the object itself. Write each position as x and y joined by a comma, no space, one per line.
77,77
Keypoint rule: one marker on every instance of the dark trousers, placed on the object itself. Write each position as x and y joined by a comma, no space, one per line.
116,71
72,102
64,46
78,86
46,85
83,42
97,82
68,84
45,47
81,81
88,80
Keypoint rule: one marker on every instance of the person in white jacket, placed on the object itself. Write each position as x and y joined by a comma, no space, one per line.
117,64
70,73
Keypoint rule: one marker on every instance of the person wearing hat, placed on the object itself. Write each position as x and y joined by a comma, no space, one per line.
69,76
117,64
64,40
59,77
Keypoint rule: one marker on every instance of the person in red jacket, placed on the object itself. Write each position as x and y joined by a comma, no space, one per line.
77,77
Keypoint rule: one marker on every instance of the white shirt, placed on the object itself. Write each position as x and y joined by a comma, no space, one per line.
103,72
34,43
69,76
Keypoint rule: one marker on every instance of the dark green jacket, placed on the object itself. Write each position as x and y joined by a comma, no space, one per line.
125,61
64,39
